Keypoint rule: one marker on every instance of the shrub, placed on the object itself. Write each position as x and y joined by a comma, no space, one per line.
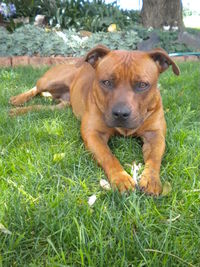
32,40
78,14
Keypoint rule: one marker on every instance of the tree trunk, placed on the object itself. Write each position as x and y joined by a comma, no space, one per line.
159,13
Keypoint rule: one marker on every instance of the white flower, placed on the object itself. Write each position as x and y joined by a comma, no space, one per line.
105,184
92,200
166,27
134,171
63,36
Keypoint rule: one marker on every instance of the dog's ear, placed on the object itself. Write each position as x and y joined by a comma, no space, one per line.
94,55
163,60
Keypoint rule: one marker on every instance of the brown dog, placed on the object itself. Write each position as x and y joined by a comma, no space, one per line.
113,92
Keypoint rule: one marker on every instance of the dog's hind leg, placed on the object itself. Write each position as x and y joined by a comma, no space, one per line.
57,89
24,97
41,86
23,110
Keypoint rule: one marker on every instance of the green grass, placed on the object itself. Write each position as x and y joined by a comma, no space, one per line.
44,203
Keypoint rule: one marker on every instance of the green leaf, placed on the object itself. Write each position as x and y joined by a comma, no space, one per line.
58,157
167,188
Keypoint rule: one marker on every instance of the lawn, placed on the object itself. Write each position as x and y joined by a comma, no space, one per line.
44,194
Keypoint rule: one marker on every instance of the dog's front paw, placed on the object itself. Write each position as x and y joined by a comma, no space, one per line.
150,183
123,182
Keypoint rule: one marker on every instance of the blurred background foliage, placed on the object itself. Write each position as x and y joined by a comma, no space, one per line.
71,17
78,14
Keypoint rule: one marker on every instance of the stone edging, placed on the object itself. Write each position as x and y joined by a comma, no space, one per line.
37,61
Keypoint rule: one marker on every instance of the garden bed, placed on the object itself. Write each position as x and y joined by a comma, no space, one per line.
36,41
30,45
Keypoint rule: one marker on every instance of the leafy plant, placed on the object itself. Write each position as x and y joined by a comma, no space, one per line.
93,15
25,7
34,40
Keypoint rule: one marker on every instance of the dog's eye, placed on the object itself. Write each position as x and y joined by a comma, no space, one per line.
141,86
107,83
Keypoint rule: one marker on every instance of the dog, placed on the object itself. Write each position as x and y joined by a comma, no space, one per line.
112,92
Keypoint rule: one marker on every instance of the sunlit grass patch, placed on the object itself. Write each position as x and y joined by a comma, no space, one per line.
47,177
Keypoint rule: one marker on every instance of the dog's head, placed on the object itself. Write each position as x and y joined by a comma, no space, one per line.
125,85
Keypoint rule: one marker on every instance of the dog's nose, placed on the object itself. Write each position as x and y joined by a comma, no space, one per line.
121,112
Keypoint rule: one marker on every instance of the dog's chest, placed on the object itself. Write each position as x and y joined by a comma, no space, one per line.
125,132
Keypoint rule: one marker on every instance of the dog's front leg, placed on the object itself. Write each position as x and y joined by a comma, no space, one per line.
153,149
96,142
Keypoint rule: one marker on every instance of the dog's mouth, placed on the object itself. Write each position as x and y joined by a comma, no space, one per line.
130,124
